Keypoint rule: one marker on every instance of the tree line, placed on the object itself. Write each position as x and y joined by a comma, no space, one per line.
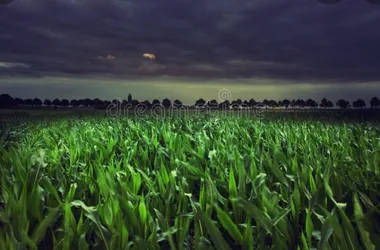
6,101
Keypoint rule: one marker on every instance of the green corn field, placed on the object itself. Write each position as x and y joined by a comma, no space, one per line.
189,183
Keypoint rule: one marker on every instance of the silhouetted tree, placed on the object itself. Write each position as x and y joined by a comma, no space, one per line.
330,104
105,104
293,103
272,103
235,105
300,103
147,104
311,103
98,104
266,102
252,103
260,105
166,103
156,103
343,104
375,102
124,103
177,103
326,103
225,105
135,103
65,102
6,101
213,104
81,102
28,102
74,103
200,103
117,102
129,98
285,103
88,102
359,103
323,103
297,103
102,104
56,102
47,102
18,102
97,101
37,102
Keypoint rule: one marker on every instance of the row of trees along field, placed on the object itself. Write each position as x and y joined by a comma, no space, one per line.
6,101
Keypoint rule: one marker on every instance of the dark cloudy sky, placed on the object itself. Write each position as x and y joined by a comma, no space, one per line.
262,49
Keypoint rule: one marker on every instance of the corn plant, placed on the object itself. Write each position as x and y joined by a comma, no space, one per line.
189,183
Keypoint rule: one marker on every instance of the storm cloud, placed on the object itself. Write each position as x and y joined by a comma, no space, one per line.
218,38
298,41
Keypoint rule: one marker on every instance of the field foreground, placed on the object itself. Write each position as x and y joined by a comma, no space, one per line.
189,183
